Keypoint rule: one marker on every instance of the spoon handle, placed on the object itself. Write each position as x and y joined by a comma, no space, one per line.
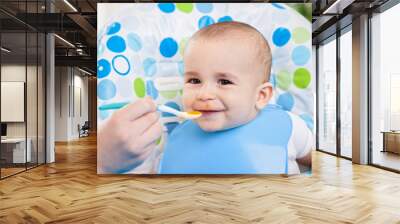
170,110
113,106
119,105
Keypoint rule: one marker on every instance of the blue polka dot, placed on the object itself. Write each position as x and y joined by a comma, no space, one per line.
116,44
225,19
181,68
173,105
272,80
205,21
301,55
286,100
279,6
149,66
170,126
113,28
134,42
151,89
309,121
204,7
104,114
106,89
168,47
121,65
281,36
103,68
166,7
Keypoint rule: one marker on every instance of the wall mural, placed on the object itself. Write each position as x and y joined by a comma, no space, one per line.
204,88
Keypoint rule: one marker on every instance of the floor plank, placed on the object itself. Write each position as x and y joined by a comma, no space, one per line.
70,191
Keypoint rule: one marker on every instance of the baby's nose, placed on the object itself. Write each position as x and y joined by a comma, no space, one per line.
206,93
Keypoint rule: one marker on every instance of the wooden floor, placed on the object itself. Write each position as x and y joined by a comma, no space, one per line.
5,172
10,171
70,191
386,159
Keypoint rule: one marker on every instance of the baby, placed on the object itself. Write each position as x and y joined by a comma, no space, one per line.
227,68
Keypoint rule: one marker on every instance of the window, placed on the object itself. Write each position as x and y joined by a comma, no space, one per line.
385,89
22,75
327,97
346,94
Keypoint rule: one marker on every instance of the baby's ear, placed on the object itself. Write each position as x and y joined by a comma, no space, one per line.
264,94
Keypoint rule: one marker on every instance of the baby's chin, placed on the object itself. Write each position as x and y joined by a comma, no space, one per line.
210,126
218,125
213,126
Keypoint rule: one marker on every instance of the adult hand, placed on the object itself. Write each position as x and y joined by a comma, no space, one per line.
128,137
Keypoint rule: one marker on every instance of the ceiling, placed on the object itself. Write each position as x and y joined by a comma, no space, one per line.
76,23
332,15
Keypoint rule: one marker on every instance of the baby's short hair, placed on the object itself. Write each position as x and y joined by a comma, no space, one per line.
223,29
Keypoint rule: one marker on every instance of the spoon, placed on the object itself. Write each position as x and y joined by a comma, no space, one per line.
182,114
186,115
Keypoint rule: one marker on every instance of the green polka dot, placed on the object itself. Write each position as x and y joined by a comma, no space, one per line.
284,80
302,78
158,140
169,94
185,7
301,35
139,87
182,45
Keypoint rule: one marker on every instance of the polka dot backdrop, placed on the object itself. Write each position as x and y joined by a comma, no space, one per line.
137,43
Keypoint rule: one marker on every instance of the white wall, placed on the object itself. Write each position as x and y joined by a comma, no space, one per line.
12,101
61,103
81,100
70,83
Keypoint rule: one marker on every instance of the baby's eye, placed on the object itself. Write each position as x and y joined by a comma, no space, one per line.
193,81
224,82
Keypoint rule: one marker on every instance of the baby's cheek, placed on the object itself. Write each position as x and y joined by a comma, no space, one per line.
236,116
187,101
234,100
186,105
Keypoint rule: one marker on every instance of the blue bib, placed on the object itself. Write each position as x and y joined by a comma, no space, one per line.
258,147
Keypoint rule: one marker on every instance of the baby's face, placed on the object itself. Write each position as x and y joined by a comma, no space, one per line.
221,81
